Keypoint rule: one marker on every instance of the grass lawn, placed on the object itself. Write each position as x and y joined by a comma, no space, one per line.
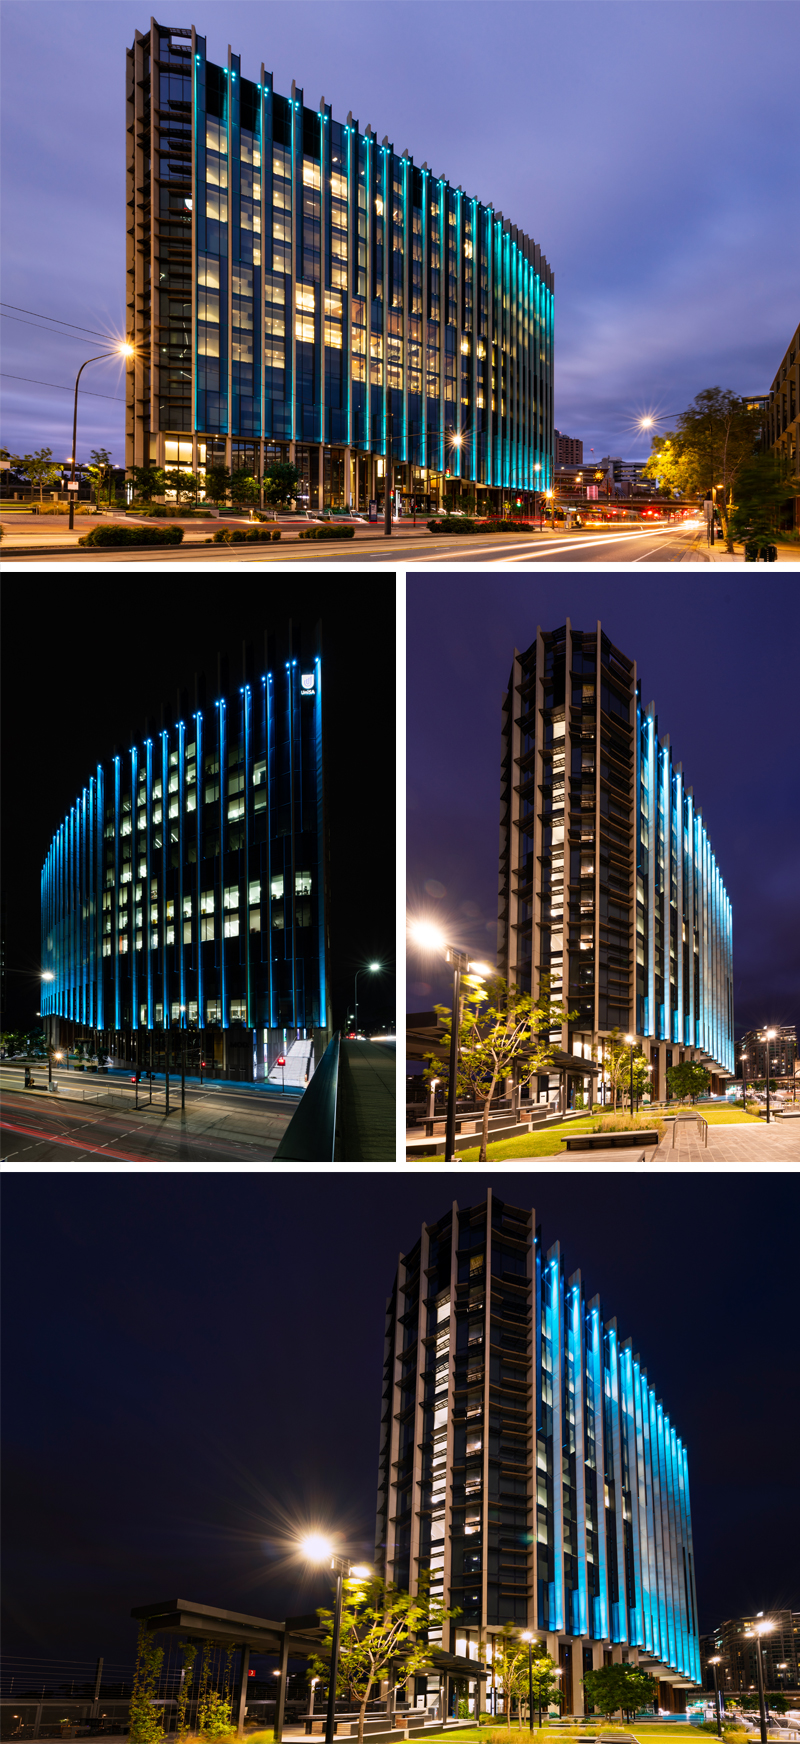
726,1116
530,1144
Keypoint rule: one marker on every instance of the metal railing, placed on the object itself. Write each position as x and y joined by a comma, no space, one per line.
702,1125
310,1136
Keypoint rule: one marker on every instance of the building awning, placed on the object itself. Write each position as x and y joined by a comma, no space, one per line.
236,1628
425,1034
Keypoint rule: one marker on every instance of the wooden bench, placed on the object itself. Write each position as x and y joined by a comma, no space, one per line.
603,1141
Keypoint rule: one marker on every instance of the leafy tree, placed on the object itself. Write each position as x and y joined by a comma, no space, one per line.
189,1657
100,471
764,484
146,1721
380,1638
510,1665
244,489
148,481
641,1073
218,483
501,1030
690,1079
281,480
183,483
715,438
615,1687
779,1704
616,1060
39,468
214,1705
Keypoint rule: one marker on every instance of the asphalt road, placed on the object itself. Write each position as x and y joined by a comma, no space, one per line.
215,1127
640,545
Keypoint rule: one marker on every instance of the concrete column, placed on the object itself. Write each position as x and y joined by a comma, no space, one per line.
243,1690
348,486
280,1708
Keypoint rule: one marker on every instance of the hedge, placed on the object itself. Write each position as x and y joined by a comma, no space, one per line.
237,536
462,524
133,536
328,530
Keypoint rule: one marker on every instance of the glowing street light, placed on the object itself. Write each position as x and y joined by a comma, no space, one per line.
527,1636
429,938
124,349
368,968
715,1662
760,1628
768,1036
318,1549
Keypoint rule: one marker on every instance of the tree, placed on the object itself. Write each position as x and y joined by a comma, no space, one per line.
764,484
715,438
218,483
244,489
500,1032
380,1638
616,1060
100,471
39,468
183,483
615,1687
690,1079
546,1686
147,481
509,1658
641,1073
280,483
146,1720
189,1657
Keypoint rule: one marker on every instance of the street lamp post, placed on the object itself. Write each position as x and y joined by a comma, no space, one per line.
743,1058
388,479
125,350
715,1663
529,1638
768,1036
630,1040
756,1634
318,1550
430,938
373,969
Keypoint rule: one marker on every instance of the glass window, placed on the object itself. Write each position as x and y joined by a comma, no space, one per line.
254,891
231,926
276,885
230,896
207,902
302,883
207,927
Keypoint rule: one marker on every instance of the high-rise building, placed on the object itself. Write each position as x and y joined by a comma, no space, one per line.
184,897
608,881
779,1052
781,428
298,291
527,1461
736,1644
568,450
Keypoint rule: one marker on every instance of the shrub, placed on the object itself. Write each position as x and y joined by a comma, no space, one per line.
328,530
237,536
133,536
629,1123
452,524
506,527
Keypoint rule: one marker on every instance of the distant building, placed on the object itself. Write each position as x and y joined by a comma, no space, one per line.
782,1053
735,1643
782,422
608,477
568,450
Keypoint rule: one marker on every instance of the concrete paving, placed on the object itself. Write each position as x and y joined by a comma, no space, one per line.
738,1143
366,1104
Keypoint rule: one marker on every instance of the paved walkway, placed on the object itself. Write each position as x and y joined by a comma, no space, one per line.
367,1099
701,552
298,1065
738,1143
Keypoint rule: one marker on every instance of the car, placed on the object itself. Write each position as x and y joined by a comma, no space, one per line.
347,515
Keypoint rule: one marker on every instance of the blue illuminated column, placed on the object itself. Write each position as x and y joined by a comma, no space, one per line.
600,1628
248,806
678,1024
679,1551
179,922
147,893
666,1540
136,884
688,887
197,929
222,742
164,948
695,1670
269,750
101,1003
651,1028
619,1630
580,1618
649,1570
322,1010
628,1381
117,889
552,1310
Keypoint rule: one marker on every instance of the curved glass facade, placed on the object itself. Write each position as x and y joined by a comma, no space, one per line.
186,888
527,1461
297,286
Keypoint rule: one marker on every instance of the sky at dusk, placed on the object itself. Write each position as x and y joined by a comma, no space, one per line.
720,665
193,1368
646,147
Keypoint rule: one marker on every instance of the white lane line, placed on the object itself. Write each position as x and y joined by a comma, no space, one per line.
585,545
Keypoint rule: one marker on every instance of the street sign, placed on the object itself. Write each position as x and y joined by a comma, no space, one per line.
73,484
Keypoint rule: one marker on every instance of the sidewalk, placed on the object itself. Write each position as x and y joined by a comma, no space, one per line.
700,552
739,1143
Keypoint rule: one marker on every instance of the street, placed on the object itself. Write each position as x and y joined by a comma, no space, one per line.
415,545
218,1124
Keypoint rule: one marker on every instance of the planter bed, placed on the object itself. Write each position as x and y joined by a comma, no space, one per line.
604,1141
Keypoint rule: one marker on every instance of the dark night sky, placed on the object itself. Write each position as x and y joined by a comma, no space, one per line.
85,663
190,1361
645,148
719,657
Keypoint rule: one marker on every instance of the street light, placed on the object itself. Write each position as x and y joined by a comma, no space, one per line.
431,939
527,1636
755,1634
372,969
743,1058
123,350
715,1662
318,1549
630,1039
768,1036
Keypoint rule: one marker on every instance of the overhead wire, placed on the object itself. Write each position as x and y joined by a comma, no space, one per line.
57,318
6,375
